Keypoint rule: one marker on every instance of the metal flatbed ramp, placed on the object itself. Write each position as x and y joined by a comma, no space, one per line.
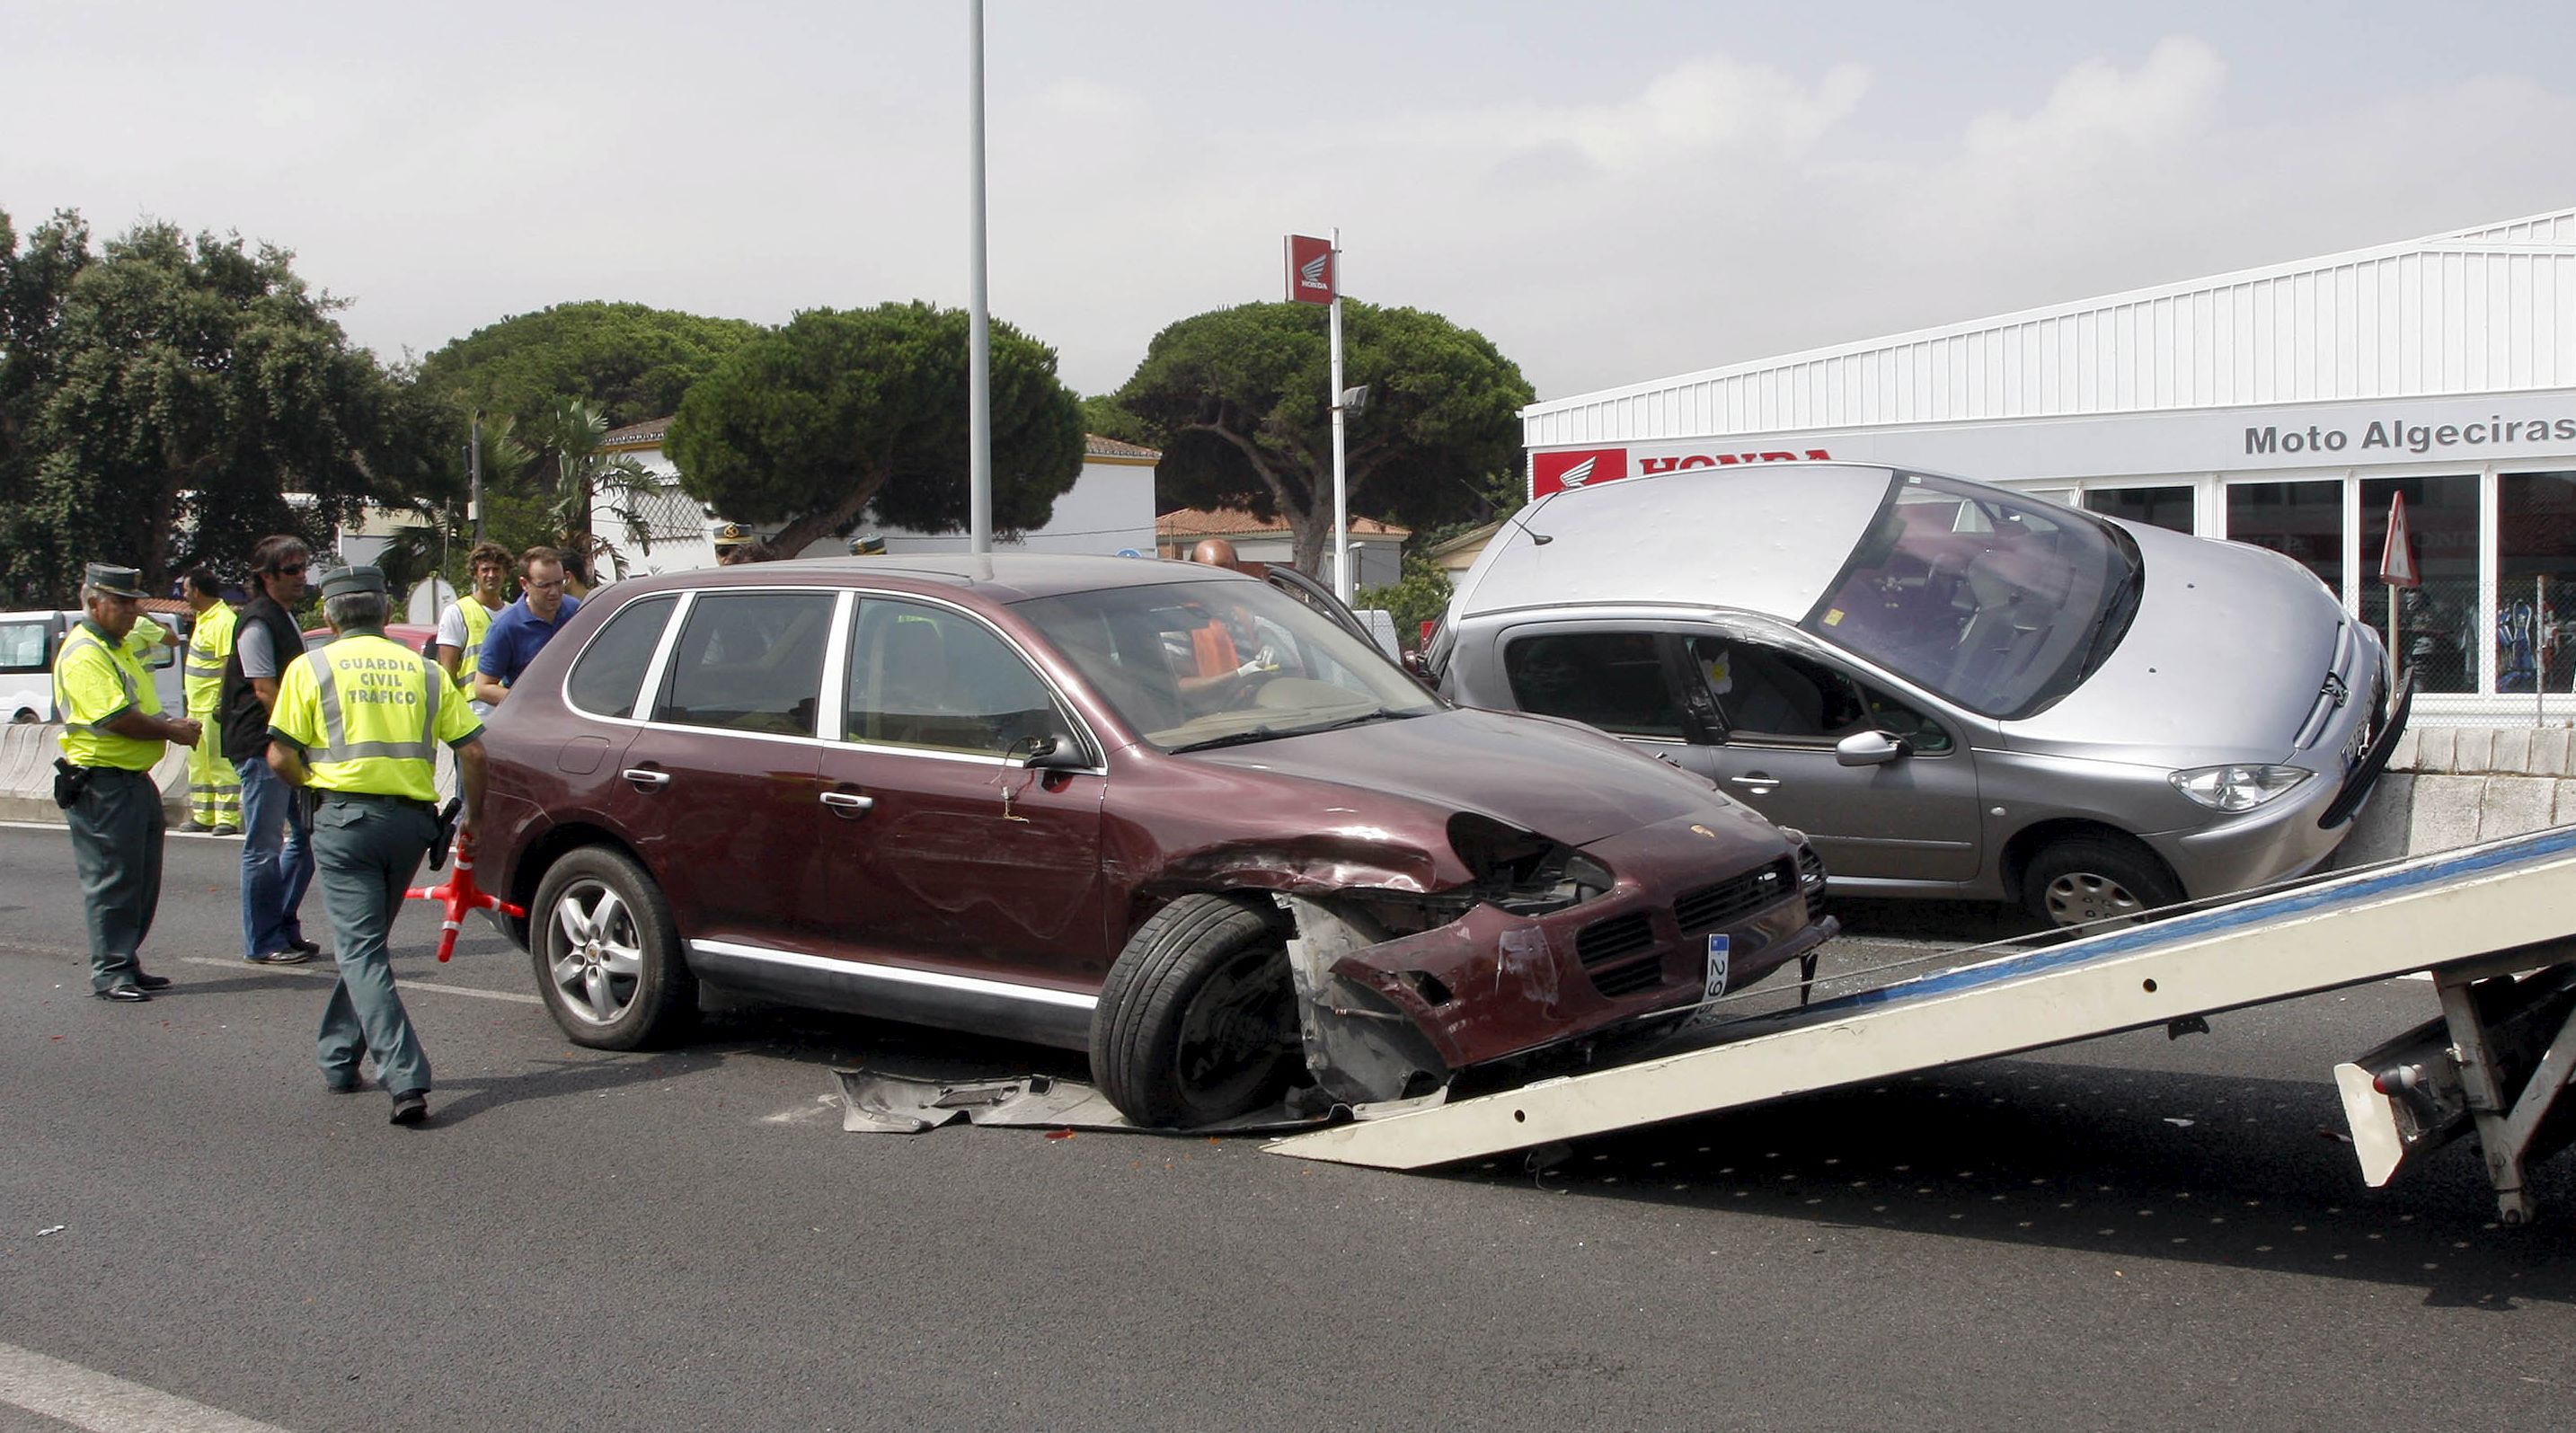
2457,909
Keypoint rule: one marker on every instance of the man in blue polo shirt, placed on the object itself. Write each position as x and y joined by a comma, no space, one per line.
524,627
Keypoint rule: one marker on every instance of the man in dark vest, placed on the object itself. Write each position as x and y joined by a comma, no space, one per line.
277,853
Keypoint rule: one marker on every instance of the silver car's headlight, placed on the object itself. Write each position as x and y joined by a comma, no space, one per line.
2237,788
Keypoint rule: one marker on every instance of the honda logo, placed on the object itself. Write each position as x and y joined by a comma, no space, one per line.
1558,472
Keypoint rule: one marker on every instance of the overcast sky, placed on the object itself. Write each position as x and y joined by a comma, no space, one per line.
1611,191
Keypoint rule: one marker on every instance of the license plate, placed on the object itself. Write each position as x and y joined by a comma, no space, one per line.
1719,954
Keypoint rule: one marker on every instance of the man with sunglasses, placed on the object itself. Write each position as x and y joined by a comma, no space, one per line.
277,853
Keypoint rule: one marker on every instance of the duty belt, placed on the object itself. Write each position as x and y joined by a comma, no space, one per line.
382,798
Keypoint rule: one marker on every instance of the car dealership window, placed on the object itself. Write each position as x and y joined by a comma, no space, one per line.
2536,580
926,676
2437,622
749,661
2165,507
1612,680
2302,521
608,677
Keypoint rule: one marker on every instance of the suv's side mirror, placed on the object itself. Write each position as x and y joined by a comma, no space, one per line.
1051,753
1870,748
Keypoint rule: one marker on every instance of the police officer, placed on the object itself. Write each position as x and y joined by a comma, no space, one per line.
359,720
214,788
113,734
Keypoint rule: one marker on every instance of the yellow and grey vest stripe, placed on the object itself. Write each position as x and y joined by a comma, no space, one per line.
337,746
62,702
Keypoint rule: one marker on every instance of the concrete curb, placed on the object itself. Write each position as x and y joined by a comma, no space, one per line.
27,752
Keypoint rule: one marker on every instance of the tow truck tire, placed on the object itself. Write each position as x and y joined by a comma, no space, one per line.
1198,1020
2079,879
624,987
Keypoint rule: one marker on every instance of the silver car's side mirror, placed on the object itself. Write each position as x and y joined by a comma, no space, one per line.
1870,748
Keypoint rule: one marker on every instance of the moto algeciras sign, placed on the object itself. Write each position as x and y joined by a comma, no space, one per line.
2397,435
1589,467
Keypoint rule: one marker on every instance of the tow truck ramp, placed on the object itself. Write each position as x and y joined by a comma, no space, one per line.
2494,924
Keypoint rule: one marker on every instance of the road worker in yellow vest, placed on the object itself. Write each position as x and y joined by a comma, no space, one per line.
214,789
359,720
464,621
113,734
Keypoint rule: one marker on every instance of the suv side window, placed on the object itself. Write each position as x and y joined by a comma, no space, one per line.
607,679
1767,694
928,677
1612,680
749,661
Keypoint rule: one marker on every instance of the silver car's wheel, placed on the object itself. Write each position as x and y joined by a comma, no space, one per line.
606,953
2083,879
2083,897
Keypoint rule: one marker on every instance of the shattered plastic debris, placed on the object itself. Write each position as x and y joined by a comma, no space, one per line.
2178,1122
51,1229
873,1103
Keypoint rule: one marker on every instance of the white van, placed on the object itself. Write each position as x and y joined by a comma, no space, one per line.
28,642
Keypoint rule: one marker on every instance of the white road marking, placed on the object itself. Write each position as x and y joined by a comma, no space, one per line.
323,970
104,1403
174,832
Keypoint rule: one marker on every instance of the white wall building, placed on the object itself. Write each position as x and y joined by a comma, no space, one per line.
2282,406
1109,509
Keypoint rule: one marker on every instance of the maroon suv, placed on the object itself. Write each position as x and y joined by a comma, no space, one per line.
1169,814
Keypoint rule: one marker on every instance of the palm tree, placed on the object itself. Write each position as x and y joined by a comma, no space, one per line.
564,454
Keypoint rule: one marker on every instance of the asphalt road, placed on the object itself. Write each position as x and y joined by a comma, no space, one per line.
2131,1233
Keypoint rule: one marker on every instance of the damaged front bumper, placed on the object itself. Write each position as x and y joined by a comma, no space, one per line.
1393,1017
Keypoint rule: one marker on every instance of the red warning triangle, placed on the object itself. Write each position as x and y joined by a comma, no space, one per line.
2397,559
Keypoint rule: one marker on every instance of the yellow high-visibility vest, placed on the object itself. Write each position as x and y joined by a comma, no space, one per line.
94,679
369,714
478,620
201,667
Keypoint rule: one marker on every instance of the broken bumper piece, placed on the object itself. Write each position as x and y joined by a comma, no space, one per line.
877,1103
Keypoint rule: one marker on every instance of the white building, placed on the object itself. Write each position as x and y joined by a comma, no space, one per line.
1108,510
1377,549
2283,406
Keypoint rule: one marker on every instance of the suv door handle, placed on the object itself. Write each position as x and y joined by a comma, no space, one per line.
848,804
646,780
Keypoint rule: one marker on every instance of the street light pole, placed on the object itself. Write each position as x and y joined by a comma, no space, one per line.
1341,479
979,339
474,474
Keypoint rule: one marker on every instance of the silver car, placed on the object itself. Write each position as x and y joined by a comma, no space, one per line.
1955,690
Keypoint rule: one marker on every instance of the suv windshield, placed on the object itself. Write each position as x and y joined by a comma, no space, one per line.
1998,602
1189,664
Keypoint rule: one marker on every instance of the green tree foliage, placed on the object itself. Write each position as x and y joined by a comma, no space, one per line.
1102,415
1237,400
163,397
628,361
844,412
1419,594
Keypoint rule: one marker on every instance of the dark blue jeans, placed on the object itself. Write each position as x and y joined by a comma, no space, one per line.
276,860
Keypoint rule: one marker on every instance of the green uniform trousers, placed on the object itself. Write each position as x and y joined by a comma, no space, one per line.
365,851
116,847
